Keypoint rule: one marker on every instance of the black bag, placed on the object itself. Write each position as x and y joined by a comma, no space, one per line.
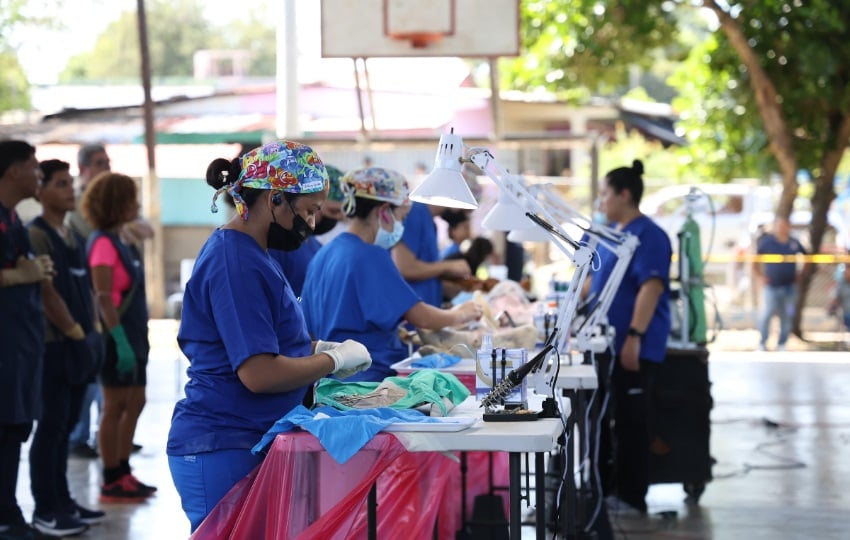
85,359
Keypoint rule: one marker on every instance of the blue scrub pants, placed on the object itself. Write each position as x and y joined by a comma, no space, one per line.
203,479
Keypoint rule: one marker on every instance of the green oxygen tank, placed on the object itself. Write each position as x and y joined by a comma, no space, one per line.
690,254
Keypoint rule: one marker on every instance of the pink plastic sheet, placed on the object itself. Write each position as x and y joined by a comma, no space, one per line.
300,492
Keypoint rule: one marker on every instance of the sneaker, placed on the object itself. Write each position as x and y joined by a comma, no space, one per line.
762,347
83,451
125,489
86,515
58,524
780,348
149,489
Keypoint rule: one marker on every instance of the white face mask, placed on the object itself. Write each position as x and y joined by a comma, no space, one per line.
386,239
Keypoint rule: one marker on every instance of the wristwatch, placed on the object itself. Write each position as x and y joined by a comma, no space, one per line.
634,332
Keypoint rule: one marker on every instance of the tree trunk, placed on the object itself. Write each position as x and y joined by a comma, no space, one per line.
821,200
764,91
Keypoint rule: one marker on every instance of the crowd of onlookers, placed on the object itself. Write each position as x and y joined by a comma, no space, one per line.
73,321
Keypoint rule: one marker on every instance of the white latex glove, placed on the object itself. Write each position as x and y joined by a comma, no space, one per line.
324,346
349,356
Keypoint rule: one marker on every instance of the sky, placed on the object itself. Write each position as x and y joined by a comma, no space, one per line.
44,53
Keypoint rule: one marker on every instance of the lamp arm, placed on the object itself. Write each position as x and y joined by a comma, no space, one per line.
598,318
516,189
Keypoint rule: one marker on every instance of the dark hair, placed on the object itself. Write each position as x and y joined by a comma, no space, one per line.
630,178
479,249
52,166
85,153
217,179
106,199
362,206
454,217
12,151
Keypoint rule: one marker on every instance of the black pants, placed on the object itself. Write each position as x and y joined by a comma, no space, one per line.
11,438
625,438
61,403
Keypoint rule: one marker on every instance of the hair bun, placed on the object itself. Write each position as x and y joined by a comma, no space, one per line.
637,166
218,172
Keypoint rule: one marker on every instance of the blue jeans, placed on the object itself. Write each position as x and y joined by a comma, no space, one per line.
778,300
203,479
81,434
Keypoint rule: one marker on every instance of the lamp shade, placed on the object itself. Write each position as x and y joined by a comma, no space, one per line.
534,234
446,186
506,215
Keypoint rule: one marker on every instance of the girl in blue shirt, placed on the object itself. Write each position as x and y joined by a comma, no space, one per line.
353,290
251,359
640,314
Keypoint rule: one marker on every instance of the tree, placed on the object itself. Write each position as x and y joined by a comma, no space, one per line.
787,67
580,48
177,29
15,14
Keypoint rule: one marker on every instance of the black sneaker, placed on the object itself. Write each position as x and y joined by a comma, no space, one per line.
87,516
58,525
83,451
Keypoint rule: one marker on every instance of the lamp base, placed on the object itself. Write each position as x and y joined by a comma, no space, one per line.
511,415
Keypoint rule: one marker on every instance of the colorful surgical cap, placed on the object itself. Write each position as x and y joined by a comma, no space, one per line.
335,192
285,166
375,183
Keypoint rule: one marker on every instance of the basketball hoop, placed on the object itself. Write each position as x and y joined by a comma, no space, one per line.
418,40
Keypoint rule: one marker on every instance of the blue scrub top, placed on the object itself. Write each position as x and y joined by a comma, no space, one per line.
651,260
354,291
420,237
21,330
451,249
237,304
294,263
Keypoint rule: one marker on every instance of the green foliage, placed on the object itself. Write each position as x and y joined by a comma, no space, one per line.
14,88
717,121
660,166
578,48
176,29
14,14
803,49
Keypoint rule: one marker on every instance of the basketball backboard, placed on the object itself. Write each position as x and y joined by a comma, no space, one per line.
393,28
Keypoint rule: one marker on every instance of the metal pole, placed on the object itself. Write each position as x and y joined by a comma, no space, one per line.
154,264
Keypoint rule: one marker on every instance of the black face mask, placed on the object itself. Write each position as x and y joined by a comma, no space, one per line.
288,239
324,225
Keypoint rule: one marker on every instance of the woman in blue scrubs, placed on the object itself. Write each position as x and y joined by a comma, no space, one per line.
353,290
251,358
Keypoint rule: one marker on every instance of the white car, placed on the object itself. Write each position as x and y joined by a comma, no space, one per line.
727,214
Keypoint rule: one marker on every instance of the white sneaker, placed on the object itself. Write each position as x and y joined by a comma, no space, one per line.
762,348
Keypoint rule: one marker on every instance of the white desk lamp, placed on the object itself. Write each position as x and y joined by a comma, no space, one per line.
440,186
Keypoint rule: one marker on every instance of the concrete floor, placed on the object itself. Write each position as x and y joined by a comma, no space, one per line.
780,435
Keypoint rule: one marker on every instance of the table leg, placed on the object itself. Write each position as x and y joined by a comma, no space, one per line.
570,500
540,495
515,488
372,512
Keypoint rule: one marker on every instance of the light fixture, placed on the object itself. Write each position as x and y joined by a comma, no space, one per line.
525,207
446,186
507,215
535,234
